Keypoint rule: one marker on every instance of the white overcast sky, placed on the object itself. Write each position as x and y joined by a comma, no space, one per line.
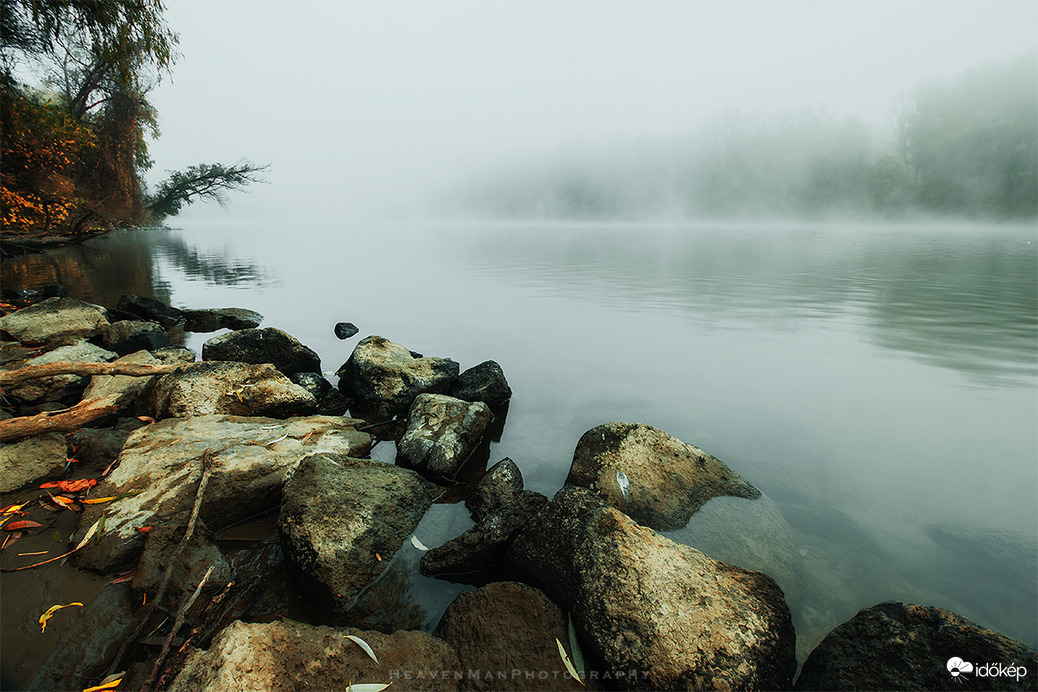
363,106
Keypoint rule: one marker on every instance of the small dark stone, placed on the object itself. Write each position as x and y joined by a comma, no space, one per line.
129,336
55,291
312,382
485,382
344,330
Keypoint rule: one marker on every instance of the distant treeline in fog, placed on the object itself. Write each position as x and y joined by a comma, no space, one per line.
967,147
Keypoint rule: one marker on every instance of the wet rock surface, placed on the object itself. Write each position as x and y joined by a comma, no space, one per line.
289,655
59,387
30,460
646,603
239,389
149,310
269,345
198,555
213,319
508,627
484,382
339,516
897,646
252,458
383,378
53,319
129,336
441,433
669,479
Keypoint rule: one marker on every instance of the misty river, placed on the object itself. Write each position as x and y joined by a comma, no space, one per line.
879,383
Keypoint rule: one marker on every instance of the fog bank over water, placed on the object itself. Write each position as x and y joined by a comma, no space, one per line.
386,109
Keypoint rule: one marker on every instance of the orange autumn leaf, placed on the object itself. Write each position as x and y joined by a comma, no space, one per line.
145,529
13,509
19,525
50,611
110,685
72,486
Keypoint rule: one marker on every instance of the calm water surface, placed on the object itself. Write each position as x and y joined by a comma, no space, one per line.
879,383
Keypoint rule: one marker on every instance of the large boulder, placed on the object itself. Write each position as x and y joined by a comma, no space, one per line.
511,628
287,655
130,336
441,433
382,378
269,345
645,603
339,516
31,460
149,310
484,382
897,646
162,462
55,319
58,387
213,319
669,479
238,389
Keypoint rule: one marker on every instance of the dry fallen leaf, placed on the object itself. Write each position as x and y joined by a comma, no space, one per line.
109,683
50,611
364,645
19,525
72,486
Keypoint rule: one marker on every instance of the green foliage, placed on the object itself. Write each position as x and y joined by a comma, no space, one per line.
204,181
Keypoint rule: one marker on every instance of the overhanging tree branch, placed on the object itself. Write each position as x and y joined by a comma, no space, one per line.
204,181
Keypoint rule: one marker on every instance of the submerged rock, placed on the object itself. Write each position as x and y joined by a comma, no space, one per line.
510,626
897,646
149,310
382,378
54,319
484,382
287,655
212,319
337,513
269,345
669,480
441,433
30,460
252,458
239,389
645,603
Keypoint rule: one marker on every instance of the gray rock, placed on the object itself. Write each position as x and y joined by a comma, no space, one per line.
645,603
128,388
499,487
130,336
336,514
669,479
98,447
30,460
171,355
238,389
312,382
287,655
485,382
441,433
268,345
58,387
89,642
213,319
896,646
344,330
53,319
512,626
149,310
252,459
382,378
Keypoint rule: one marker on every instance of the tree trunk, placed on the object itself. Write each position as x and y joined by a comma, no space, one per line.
62,421
64,367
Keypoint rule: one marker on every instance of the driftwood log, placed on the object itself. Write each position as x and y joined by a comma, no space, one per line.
64,367
63,421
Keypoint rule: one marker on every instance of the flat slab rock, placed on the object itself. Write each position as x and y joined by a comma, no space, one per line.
337,513
681,619
897,646
288,656
213,319
162,462
55,318
669,480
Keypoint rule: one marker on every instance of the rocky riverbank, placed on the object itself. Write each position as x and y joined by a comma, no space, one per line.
147,463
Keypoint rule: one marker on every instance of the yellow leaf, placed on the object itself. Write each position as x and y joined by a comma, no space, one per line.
108,684
51,611
97,500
